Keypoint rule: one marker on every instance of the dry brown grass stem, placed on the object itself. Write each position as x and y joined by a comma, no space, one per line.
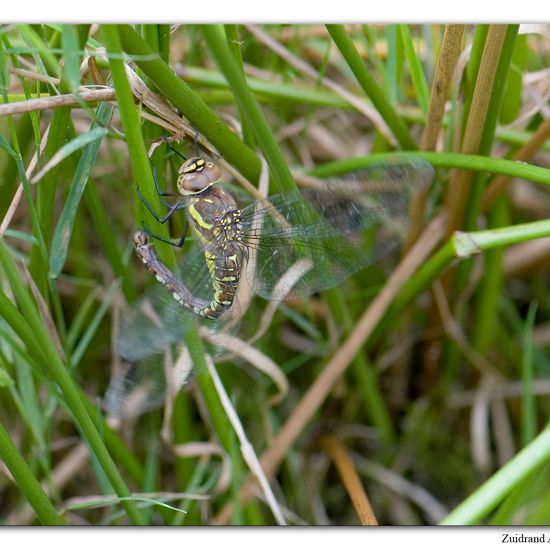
461,180
25,73
14,204
247,450
350,478
54,102
441,84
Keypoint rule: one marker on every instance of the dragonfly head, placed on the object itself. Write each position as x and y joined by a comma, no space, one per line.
197,174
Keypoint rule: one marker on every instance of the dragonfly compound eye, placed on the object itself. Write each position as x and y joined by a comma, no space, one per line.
196,174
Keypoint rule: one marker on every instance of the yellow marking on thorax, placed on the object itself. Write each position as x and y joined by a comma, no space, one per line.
198,218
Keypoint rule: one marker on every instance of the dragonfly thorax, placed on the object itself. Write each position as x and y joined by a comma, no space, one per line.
214,211
196,175
228,229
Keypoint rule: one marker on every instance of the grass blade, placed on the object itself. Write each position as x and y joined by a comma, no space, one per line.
91,142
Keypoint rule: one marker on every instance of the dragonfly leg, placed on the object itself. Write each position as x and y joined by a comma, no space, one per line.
160,192
174,150
162,239
173,207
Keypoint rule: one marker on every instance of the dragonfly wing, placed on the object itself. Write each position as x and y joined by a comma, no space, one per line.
136,389
317,237
148,328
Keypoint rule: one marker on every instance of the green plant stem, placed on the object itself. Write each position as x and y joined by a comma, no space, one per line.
135,143
511,104
528,405
440,160
215,39
490,288
103,226
466,244
370,87
493,491
460,245
232,34
190,104
132,128
429,271
164,41
217,414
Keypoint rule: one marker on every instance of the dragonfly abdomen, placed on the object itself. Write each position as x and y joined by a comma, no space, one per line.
178,291
225,264
225,272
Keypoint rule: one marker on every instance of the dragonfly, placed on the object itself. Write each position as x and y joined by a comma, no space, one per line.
216,220
330,231
314,237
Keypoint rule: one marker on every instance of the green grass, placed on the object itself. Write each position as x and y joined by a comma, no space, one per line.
402,366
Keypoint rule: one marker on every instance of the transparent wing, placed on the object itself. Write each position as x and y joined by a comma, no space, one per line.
136,389
329,232
145,331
